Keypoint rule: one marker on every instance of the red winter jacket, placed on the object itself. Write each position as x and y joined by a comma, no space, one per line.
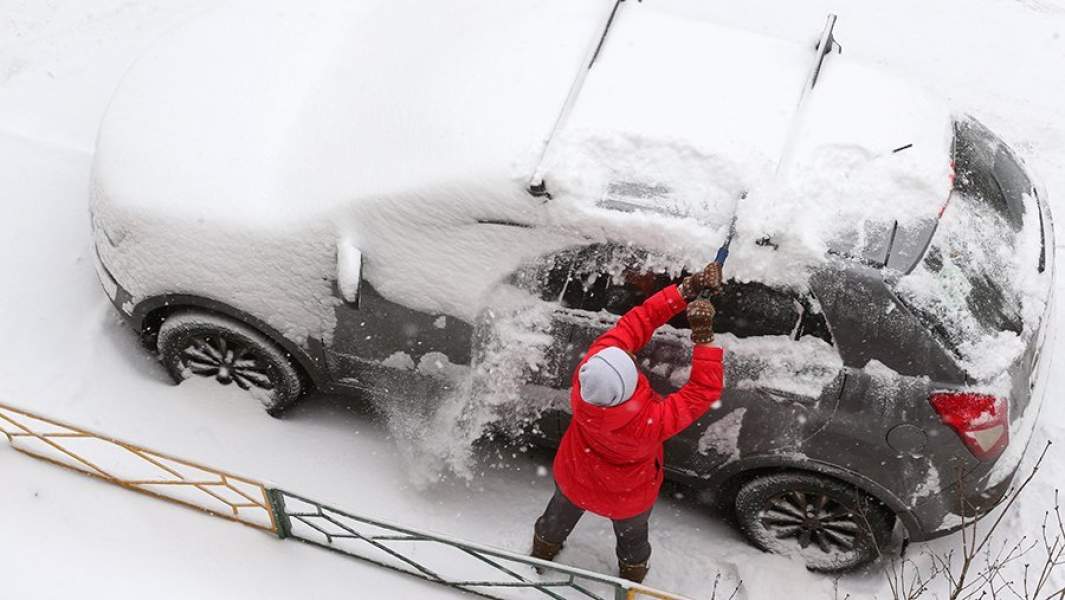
610,459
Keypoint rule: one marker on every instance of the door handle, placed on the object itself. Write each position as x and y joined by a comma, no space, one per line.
785,396
349,271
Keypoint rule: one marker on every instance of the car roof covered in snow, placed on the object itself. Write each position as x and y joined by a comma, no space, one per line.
280,111
713,114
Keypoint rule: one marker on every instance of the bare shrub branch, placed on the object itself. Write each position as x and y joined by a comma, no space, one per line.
982,566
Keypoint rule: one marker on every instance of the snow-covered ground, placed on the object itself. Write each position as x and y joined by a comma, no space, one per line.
67,354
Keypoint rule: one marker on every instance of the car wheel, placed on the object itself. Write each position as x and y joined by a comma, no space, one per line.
198,344
831,525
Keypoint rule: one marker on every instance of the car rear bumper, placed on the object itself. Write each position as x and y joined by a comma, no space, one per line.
950,510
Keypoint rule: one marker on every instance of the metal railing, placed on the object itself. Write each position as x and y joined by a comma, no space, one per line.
217,492
482,570
466,566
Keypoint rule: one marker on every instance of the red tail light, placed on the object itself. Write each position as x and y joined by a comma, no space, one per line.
982,421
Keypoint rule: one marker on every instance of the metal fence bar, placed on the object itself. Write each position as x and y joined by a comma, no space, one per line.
294,510
156,474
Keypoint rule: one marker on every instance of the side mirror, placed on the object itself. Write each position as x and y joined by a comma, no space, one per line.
349,270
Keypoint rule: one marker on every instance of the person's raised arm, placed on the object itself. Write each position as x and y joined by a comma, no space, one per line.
635,328
662,420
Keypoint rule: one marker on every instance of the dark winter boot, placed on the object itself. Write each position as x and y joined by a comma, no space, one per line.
634,573
543,549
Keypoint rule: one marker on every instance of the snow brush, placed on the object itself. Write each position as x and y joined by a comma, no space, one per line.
721,257
722,252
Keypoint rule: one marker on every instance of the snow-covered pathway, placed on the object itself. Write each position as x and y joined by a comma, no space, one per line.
69,356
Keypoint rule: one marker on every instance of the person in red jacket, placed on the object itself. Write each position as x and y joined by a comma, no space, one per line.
610,458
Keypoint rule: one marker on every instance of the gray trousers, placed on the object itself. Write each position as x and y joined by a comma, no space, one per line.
561,516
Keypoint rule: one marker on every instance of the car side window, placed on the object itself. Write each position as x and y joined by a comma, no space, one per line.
599,278
754,309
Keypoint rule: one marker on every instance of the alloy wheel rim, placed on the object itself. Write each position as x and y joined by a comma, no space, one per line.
812,520
226,361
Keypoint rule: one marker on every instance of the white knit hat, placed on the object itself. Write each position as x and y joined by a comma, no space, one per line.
608,378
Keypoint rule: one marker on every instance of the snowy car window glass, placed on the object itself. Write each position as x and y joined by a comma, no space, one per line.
753,309
743,309
1013,182
986,171
965,289
598,277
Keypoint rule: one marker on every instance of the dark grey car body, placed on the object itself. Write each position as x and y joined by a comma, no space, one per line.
871,425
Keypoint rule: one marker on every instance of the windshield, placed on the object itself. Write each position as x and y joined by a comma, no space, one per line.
973,288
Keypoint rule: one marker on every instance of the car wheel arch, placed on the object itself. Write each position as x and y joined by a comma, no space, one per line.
150,313
727,481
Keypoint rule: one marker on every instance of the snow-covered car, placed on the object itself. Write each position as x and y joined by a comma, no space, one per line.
334,196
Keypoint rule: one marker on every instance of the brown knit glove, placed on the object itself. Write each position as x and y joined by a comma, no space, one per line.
701,319
707,279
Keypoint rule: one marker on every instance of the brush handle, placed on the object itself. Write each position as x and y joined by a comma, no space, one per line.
722,255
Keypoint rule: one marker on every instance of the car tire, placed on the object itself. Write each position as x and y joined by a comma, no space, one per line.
833,526
196,343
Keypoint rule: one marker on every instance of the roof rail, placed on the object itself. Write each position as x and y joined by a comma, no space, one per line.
537,187
823,49
824,46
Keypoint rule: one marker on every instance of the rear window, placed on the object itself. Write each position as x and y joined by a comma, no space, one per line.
987,172
969,289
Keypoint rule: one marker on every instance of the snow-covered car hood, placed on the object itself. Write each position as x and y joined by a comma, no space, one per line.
276,110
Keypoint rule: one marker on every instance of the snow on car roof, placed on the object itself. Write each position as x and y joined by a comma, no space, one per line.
276,109
706,115
698,108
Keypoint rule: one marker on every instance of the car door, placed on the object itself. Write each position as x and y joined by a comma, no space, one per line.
591,287
783,377
772,340
464,267
389,349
